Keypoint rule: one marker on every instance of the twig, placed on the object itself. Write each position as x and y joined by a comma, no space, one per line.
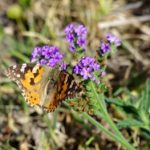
130,6
136,54
123,21
36,35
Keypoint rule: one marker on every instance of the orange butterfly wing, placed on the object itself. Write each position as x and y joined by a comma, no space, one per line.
39,87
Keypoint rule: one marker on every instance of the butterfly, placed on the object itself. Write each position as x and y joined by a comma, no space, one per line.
42,85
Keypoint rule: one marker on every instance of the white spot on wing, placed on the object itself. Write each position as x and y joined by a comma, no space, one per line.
14,67
35,68
23,68
18,75
72,83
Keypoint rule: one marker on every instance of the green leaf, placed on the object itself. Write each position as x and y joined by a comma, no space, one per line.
128,108
19,55
146,134
96,98
24,3
144,104
129,123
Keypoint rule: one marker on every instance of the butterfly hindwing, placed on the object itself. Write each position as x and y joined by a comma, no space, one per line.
67,87
62,88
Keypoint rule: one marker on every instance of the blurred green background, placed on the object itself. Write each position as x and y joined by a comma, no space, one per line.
25,24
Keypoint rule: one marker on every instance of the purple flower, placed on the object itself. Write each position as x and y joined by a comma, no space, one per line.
69,28
36,54
63,66
52,62
76,36
81,42
70,37
43,61
113,39
96,66
86,67
47,55
81,31
86,73
104,47
103,73
72,47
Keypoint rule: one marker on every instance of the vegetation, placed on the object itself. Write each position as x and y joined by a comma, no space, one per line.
113,112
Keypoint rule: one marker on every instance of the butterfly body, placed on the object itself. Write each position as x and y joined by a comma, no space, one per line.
43,86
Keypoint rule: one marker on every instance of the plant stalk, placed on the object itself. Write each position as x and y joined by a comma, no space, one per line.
108,119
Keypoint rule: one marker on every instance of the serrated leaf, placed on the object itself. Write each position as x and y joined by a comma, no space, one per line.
145,133
117,102
144,104
129,123
128,108
101,100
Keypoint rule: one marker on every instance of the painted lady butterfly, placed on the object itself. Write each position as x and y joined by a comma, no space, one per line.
42,85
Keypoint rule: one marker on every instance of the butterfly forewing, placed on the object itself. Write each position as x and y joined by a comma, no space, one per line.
28,77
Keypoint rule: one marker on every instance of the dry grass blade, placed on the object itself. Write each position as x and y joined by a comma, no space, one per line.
122,21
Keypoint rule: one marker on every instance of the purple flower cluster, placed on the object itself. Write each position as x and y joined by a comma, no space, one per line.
111,39
105,47
86,67
76,36
47,55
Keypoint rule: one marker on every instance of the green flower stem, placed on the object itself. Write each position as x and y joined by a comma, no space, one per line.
108,119
102,108
102,128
